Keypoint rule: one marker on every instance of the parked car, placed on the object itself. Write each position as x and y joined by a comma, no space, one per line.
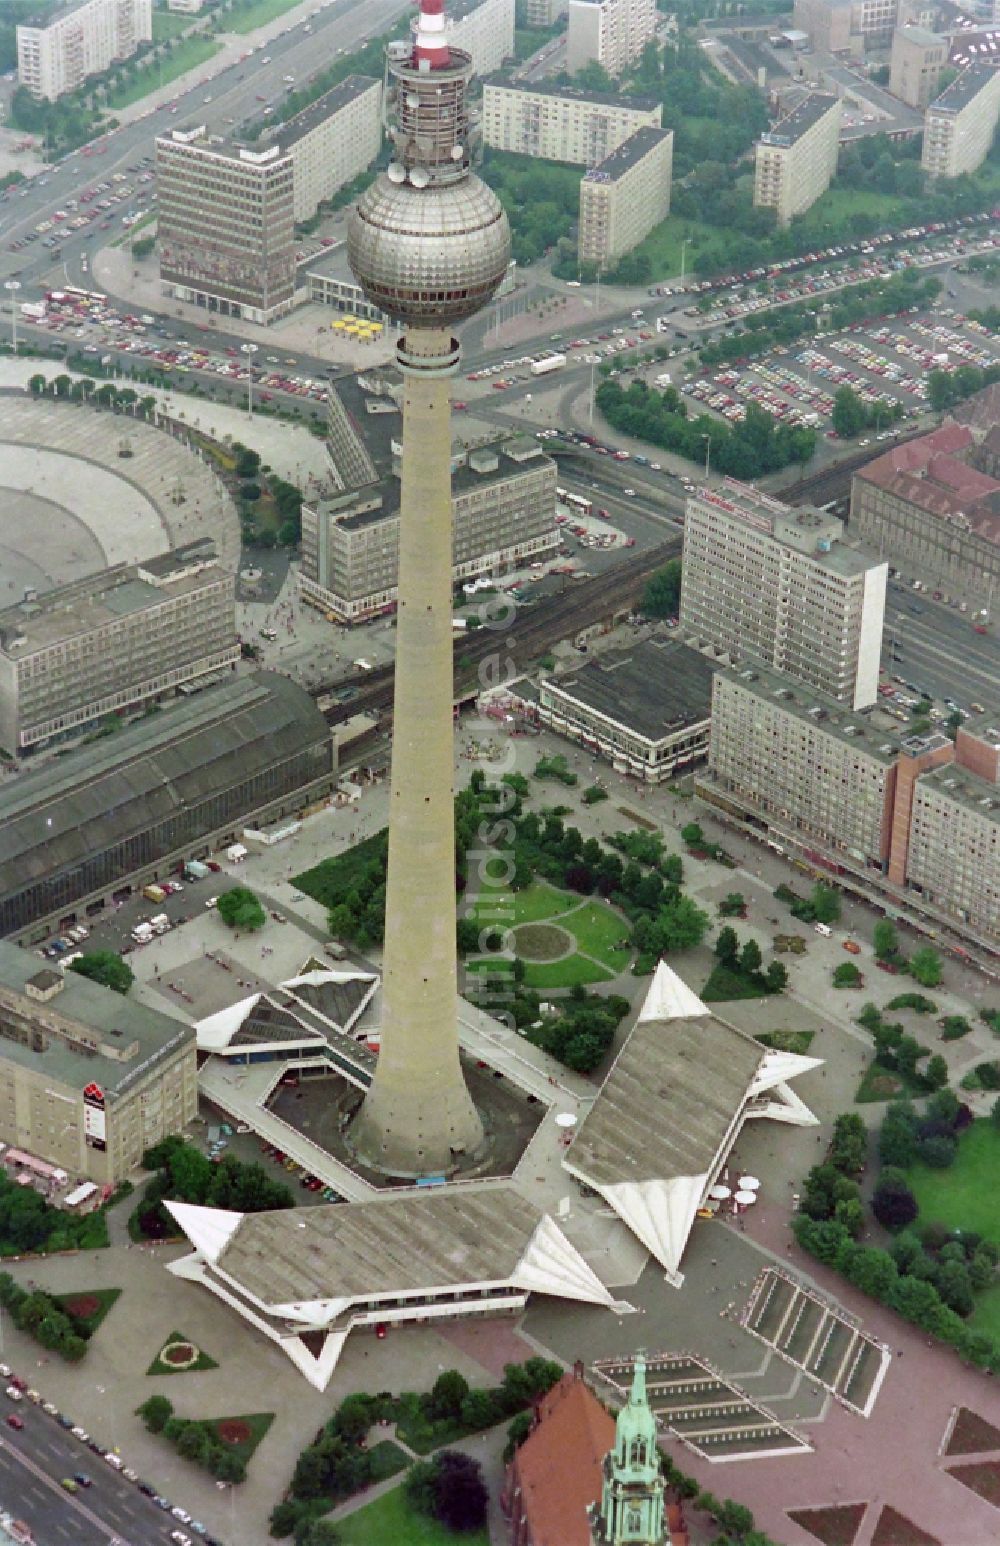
13,1421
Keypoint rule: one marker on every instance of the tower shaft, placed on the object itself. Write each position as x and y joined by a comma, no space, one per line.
418,1112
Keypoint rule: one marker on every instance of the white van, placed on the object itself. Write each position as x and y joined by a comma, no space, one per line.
824,929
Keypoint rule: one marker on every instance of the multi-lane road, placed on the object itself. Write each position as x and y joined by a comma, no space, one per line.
233,93
110,1512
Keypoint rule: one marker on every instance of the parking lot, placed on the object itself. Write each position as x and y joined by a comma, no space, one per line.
886,363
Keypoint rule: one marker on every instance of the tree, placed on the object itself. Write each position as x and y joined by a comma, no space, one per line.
750,957
662,595
107,968
936,1072
681,925
240,908
825,903
693,835
733,905
893,1204
480,1409
925,966
846,975
36,385
849,1144
517,1432
447,1394
727,946
776,977
849,416
885,940
460,1495
937,1150
322,1532
156,1412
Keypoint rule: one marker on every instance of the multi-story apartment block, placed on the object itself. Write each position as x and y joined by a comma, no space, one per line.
484,29
925,509
954,848
561,123
913,818
112,642
795,161
544,13
78,41
918,57
91,1078
611,33
503,517
624,197
779,584
783,750
226,224
331,141
961,123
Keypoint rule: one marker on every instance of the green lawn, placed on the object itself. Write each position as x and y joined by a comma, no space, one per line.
257,1422
727,982
986,1316
878,1083
257,14
564,974
203,1361
962,1196
663,245
390,1521
168,25
536,902
596,930
89,1321
787,1041
188,55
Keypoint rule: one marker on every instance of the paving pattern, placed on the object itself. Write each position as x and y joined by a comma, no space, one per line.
704,1409
818,1337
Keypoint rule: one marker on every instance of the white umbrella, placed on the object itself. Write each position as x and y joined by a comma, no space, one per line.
721,1192
749,1183
565,1119
745,1199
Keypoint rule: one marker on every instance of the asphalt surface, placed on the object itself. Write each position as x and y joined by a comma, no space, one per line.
111,1510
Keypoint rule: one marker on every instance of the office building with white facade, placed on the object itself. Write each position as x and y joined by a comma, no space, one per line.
795,161
111,643
611,33
779,584
961,123
625,196
79,41
562,123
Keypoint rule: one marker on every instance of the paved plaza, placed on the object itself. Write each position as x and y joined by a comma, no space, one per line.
852,1458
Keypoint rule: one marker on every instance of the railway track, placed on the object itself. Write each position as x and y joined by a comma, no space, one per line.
834,482
522,638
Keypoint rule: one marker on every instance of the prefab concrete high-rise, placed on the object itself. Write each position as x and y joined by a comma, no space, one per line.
429,243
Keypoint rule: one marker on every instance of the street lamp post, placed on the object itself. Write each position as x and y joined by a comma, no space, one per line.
12,286
249,350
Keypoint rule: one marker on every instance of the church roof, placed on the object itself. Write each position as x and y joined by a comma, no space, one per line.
558,1467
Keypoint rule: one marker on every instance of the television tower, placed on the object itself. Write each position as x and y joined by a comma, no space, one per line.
429,243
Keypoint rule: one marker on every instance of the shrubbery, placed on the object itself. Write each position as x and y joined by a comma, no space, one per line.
28,1224
184,1174
194,1440
41,1317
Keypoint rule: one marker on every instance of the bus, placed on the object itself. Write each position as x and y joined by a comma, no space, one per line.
575,501
80,297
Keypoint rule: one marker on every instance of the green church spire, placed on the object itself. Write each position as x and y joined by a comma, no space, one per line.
631,1512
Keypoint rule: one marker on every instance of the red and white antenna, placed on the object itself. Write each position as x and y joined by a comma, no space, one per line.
430,48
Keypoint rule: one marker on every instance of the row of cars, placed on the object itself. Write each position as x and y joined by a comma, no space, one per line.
102,200
864,248
18,1390
309,1183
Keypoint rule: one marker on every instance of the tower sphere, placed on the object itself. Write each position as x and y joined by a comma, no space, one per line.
429,256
